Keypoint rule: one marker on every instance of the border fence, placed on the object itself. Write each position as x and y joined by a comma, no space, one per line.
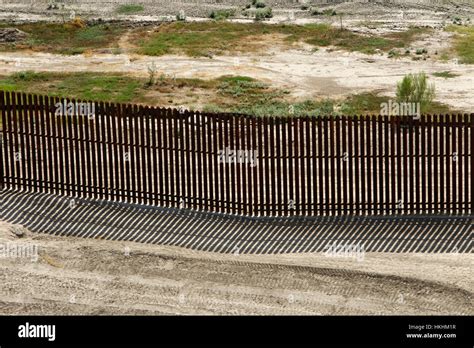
238,164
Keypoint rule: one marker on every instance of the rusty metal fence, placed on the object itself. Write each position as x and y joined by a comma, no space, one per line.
238,164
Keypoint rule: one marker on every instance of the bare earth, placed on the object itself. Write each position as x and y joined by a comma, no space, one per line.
88,276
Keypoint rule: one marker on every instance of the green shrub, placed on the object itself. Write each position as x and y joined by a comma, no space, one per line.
260,4
330,12
180,17
151,75
28,75
414,88
222,14
261,14
393,54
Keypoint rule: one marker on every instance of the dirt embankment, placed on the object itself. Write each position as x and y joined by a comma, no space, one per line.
79,276
419,10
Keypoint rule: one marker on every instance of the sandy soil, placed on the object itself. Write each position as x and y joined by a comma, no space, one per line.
414,11
85,276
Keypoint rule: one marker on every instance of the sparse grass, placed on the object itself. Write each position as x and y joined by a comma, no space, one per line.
278,108
65,38
464,43
80,85
196,38
370,104
362,104
445,74
200,38
236,94
130,9
409,35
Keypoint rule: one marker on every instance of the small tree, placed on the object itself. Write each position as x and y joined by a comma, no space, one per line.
151,74
414,88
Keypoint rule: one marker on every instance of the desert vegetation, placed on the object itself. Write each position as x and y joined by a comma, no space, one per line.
236,94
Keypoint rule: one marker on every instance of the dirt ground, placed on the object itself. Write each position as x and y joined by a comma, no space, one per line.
88,276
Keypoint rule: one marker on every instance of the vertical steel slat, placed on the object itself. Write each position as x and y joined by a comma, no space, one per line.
344,162
441,120
4,161
467,151
238,167
433,156
424,129
454,159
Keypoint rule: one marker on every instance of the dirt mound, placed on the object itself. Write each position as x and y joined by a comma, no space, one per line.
12,35
12,231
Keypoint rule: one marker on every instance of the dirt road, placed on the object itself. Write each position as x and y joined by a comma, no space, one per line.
79,276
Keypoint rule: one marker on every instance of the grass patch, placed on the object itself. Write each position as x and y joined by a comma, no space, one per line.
89,86
202,38
370,104
463,43
278,108
445,74
129,9
362,104
65,38
236,94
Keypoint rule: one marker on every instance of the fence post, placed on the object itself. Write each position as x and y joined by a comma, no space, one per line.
472,163
2,140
